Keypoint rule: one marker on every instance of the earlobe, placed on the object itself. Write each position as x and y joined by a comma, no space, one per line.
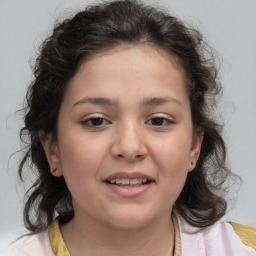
52,153
195,150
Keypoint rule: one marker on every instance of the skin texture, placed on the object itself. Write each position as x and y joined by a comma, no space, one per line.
129,138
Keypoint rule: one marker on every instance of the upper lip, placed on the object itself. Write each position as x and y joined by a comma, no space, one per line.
129,175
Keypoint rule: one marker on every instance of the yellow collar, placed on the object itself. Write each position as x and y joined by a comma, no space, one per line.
246,233
59,248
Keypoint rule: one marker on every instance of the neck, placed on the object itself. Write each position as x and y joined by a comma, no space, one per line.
92,238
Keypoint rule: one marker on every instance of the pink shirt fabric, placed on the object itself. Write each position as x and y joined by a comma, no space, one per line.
219,239
35,245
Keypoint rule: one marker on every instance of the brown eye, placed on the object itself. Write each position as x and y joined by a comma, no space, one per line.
95,121
159,121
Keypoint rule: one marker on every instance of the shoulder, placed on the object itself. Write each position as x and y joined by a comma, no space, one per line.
222,238
37,244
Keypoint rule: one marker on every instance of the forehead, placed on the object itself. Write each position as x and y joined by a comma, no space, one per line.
143,68
139,53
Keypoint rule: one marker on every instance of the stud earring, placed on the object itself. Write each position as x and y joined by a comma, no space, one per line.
54,170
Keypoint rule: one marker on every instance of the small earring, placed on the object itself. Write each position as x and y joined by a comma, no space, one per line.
54,170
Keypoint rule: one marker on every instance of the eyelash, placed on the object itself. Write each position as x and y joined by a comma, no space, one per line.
86,122
163,119
163,122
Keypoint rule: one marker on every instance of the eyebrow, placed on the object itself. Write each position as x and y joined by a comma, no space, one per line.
97,101
155,101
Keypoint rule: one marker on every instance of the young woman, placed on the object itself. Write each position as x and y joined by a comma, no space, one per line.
122,137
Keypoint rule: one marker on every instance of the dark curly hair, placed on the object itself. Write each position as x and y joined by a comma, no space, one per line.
98,28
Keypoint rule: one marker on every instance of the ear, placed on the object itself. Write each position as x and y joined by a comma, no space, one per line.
52,153
195,148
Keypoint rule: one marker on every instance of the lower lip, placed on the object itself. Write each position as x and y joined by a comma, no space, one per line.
129,191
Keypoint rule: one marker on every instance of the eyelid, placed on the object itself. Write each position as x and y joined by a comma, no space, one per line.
161,115
170,120
95,115
89,117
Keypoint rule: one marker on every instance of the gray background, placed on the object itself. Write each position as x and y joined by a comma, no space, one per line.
230,27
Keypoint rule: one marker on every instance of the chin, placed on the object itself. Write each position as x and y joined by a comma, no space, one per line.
130,220
129,224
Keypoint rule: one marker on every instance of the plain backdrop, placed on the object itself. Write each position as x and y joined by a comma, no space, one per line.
230,27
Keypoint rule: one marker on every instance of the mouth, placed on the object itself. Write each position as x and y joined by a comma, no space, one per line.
129,184
126,182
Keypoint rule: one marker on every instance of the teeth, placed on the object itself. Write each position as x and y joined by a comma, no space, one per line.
134,181
126,181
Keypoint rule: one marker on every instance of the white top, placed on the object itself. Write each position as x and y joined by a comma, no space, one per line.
35,245
219,239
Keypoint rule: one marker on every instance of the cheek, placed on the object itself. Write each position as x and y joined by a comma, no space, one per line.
80,165
80,156
172,158
173,154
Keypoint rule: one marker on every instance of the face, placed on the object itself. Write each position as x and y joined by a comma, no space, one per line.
125,140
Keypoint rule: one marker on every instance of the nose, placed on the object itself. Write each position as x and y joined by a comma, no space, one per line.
129,143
